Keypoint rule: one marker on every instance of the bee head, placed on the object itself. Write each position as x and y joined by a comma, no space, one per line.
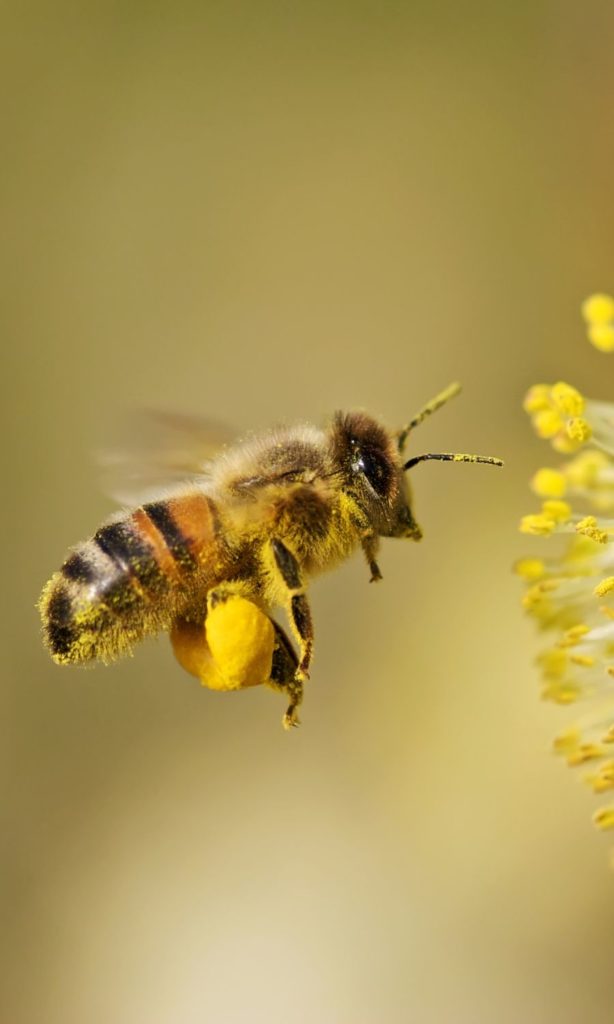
372,463
369,460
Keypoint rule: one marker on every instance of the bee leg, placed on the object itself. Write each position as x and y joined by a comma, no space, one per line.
283,672
301,622
284,663
291,719
370,545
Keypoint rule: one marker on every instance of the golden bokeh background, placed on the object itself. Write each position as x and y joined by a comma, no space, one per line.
263,212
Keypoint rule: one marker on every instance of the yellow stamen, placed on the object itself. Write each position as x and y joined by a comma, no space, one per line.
530,569
566,742
574,635
604,587
585,752
531,598
601,336
537,398
579,429
553,663
604,818
598,309
583,471
561,693
567,399
549,483
588,528
564,444
583,660
536,594
560,511
538,525
603,779
547,423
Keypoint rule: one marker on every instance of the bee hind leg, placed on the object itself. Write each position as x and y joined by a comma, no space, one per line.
283,675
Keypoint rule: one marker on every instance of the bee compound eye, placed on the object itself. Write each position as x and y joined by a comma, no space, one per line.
375,469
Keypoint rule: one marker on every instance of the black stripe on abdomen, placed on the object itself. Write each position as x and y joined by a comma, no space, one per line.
61,633
172,534
132,555
80,569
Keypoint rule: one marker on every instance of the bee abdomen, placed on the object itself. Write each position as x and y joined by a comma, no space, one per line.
101,599
127,581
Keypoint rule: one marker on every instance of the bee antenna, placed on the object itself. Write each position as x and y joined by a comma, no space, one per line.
488,460
430,407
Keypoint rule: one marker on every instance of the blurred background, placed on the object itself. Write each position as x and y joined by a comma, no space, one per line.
264,212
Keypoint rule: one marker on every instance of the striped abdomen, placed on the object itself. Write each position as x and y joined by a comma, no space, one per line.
131,579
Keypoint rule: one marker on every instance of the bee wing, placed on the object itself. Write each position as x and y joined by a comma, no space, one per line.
155,450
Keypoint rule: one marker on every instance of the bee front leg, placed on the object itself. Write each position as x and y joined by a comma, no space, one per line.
299,614
370,545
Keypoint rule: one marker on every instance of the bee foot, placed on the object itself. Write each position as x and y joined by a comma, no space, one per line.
375,571
290,719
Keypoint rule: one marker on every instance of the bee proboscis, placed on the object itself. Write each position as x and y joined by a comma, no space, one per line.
246,535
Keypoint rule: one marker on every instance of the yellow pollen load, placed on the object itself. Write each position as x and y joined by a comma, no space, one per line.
598,308
232,650
605,587
588,528
530,569
567,399
579,429
549,483
241,638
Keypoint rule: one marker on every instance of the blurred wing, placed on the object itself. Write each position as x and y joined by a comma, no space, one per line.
155,451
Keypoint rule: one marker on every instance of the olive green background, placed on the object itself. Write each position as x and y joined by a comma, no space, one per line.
263,212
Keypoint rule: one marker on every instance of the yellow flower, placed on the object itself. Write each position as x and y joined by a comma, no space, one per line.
598,311
571,594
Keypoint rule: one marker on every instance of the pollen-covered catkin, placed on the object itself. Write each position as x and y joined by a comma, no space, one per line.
571,593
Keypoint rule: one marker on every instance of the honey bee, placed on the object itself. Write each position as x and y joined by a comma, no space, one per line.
209,562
